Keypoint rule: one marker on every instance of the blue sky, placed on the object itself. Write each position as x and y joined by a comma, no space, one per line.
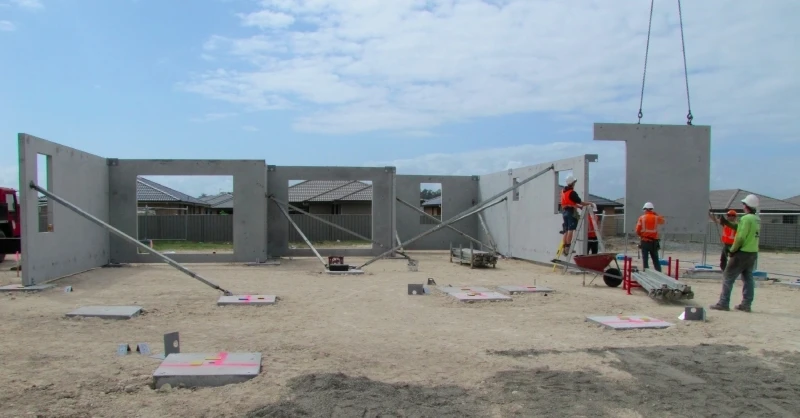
430,86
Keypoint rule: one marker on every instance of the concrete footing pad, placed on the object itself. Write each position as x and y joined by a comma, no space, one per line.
462,289
629,322
256,300
481,296
21,288
713,274
207,370
352,272
514,289
792,284
106,312
266,263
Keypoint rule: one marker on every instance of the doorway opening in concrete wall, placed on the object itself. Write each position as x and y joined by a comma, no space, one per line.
430,200
44,179
560,183
185,214
345,203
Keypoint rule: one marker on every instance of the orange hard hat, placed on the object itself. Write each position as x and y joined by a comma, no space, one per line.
731,212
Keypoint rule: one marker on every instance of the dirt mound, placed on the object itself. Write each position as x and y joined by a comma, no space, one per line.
339,395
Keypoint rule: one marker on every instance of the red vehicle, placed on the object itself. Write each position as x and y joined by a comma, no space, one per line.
9,222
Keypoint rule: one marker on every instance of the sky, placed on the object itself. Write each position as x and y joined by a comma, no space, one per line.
461,87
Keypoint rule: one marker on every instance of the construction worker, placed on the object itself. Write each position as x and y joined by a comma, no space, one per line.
570,202
593,244
743,256
647,230
728,235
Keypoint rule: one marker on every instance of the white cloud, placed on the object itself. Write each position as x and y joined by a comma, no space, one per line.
6,26
29,4
266,19
410,65
210,117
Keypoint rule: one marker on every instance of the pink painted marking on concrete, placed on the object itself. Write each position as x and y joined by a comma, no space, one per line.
211,365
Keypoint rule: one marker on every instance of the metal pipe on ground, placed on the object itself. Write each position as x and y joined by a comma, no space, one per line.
126,237
480,207
341,228
302,235
426,233
475,240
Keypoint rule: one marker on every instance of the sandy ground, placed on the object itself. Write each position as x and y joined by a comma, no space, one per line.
360,346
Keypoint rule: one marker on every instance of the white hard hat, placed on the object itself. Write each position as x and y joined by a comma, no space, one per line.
751,200
647,205
571,179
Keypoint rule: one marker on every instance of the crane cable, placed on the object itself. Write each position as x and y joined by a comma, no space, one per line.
689,116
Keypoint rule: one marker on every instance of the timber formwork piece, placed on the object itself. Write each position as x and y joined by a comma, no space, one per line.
473,257
660,286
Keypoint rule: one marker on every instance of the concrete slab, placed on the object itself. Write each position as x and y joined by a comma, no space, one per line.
629,322
463,289
21,288
107,312
257,300
793,284
206,369
514,289
480,296
701,273
351,272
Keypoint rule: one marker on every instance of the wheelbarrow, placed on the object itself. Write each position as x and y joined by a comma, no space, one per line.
598,264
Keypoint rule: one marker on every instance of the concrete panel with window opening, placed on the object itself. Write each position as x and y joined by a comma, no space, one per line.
383,208
458,194
74,244
249,202
528,228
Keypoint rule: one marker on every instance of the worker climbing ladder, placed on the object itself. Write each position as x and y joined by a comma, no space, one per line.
566,259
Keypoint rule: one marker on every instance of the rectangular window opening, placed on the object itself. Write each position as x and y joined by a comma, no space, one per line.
44,179
345,203
430,201
185,214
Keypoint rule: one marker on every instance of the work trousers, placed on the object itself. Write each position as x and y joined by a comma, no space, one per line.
739,264
650,251
723,258
593,246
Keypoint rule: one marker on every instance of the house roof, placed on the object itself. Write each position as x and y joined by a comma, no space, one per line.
150,191
731,199
436,201
795,200
330,191
220,201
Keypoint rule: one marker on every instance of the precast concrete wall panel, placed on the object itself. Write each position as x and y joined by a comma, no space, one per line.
668,165
527,226
74,244
249,199
383,207
459,193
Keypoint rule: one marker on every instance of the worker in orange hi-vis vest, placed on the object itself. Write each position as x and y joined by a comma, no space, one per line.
570,202
647,230
728,235
593,244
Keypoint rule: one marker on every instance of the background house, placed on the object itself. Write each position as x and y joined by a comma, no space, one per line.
221,204
795,200
433,206
773,211
329,197
154,197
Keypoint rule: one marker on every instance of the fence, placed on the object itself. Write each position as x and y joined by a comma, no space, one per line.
773,235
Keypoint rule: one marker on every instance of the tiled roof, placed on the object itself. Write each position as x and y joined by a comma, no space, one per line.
436,201
150,191
731,199
795,200
220,201
329,191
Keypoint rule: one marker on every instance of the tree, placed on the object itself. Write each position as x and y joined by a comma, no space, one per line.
427,194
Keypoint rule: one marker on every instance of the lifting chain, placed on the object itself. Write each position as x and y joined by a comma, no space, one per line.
689,116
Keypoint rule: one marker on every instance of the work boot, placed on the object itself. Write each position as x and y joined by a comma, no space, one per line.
718,307
742,307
